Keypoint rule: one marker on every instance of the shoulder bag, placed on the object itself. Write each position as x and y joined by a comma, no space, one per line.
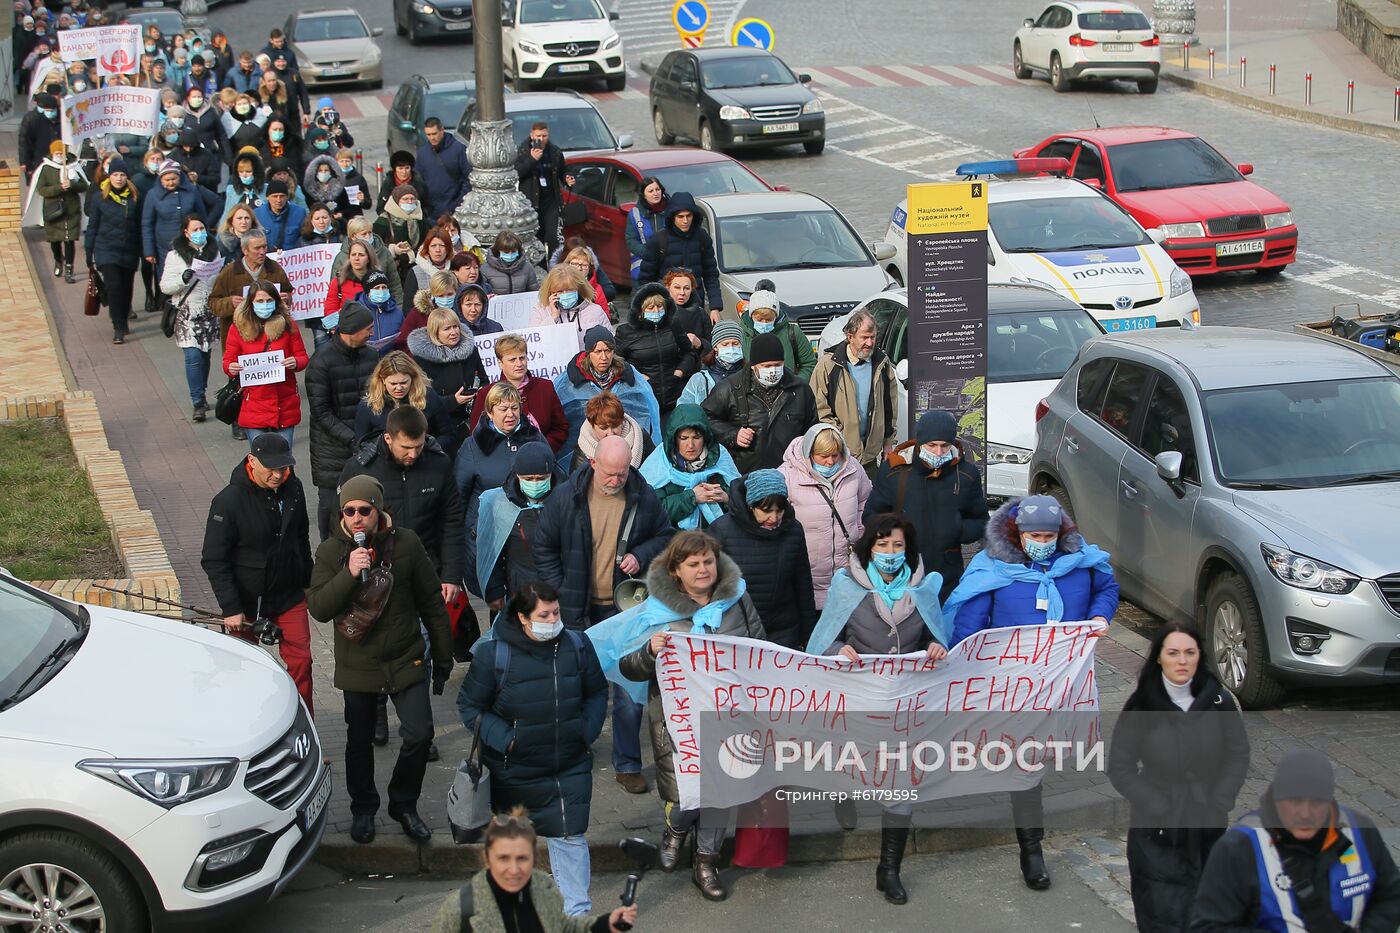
370,596
96,294
228,401
850,546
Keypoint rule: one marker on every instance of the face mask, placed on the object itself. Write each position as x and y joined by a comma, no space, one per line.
444,301
199,237
567,300
323,177
276,135
654,315
544,631
150,47
509,257
321,231
321,144
151,168
827,471
345,167
730,355
246,179
535,488
763,327
264,309
243,110
410,208
50,114
1038,551
888,563
456,240
79,86
769,376
939,461
172,138
379,295
196,103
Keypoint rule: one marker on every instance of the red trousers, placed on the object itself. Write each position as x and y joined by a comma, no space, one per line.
295,648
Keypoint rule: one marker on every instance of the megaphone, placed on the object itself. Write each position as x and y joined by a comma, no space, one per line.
630,592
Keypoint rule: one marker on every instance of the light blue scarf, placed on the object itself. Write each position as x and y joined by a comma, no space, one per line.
892,591
658,470
985,574
846,594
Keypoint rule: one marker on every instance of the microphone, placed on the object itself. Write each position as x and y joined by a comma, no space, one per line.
360,542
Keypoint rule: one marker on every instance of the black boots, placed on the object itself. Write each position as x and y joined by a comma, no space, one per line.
362,828
892,843
381,724
1028,815
68,273
672,844
706,877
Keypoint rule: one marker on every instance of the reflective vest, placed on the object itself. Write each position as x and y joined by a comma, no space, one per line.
1351,878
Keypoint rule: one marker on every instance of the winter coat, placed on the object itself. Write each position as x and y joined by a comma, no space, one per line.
335,382
423,270
659,351
539,726
422,498
196,327
563,544
798,355
192,156
394,226
486,460
835,391
284,229
694,250
242,81
446,171
699,386
541,407
549,168
245,133
816,503
284,156
274,405
642,224
515,562
239,193
737,403
389,658
226,294
1086,593
510,278
387,188
691,318
874,628
581,317
342,290
740,619
353,179
388,319
576,387
257,546
113,236
68,226
451,369
164,211
774,564
208,128
370,424
383,259
36,133
947,506
679,501
330,193
545,903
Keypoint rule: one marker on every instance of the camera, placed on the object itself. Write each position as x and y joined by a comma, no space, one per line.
267,631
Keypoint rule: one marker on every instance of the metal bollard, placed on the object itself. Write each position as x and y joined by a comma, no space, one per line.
378,178
1351,97
360,161
1307,89
1397,105
1273,80
1186,55
1242,68
1210,54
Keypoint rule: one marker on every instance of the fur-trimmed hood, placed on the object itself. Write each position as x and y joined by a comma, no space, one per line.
666,590
421,345
315,190
1003,545
641,294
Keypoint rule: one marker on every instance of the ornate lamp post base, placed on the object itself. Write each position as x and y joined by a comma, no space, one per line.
195,13
1175,21
496,202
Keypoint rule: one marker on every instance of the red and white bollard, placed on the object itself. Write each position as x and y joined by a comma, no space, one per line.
1307,89
1186,55
1351,97
1210,54
1242,68
1273,80
1397,105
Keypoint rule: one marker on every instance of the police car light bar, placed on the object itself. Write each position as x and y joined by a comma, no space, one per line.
1015,167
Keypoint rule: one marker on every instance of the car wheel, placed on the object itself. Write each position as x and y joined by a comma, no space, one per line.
617,82
814,146
1058,81
1057,492
1147,87
658,126
707,136
1017,65
69,881
894,273
413,37
1235,632
398,26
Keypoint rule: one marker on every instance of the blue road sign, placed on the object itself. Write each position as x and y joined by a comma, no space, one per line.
691,16
752,33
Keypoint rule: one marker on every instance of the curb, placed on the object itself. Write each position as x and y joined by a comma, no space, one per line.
1302,115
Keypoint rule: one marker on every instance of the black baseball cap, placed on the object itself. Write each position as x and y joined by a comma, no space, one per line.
273,451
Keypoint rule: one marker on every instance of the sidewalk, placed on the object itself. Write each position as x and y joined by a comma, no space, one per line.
1297,37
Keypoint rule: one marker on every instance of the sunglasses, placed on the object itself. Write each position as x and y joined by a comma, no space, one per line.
364,511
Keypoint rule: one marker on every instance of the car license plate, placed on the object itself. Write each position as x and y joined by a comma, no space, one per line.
1239,247
1117,46
780,128
1122,324
456,26
334,75
312,811
570,69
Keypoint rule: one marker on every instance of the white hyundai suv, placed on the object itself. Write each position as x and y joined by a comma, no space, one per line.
156,775
556,41
1071,41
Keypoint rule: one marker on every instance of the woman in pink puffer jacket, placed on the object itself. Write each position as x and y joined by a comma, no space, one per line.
829,508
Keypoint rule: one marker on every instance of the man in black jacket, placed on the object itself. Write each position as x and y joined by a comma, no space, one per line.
257,553
335,382
1328,869
761,409
37,131
683,244
543,175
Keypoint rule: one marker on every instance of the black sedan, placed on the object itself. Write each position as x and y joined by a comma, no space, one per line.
733,97
433,19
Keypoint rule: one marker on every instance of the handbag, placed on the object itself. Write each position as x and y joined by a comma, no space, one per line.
228,401
173,308
53,210
370,597
95,296
574,212
469,797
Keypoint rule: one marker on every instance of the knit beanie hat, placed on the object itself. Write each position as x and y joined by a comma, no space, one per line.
763,298
766,348
354,317
936,426
725,330
403,191
277,186
117,165
760,484
1039,513
375,279
595,335
1303,774
533,459
363,488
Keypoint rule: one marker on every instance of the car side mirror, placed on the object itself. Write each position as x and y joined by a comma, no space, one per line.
883,251
901,370
1169,469
1028,22
688,87
804,78
376,32
1094,183
1156,234
625,141
781,188
408,125
614,16
1246,168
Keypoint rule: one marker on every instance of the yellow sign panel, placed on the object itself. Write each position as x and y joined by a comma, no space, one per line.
954,207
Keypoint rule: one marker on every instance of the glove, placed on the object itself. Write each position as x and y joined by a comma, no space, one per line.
187,276
439,683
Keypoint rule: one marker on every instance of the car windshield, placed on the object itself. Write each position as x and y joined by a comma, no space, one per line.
30,629
1113,19
1048,225
1349,425
448,106
797,240
323,28
709,178
559,11
570,130
1028,345
1169,163
759,71
169,22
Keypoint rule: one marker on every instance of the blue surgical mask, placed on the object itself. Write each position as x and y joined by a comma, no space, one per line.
509,257
456,240
199,237
321,231
444,301
763,327
178,121
1037,550
322,144
730,355
888,563
535,488
827,471
264,309
172,138
567,299
937,461
276,135
51,114
379,295
545,631
323,177
246,179
655,315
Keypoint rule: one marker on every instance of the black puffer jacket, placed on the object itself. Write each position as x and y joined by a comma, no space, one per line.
779,416
257,544
335,382
451,369
538,729
422,498
113,235
657,350
775,566
694,250
196,158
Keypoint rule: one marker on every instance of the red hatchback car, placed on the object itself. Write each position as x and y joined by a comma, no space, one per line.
1212,219
609,183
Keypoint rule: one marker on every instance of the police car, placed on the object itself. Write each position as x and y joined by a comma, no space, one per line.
1061,234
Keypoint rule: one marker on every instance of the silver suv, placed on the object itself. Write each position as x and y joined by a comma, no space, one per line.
1248,481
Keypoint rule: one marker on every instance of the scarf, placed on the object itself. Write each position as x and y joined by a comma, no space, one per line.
121,196
659,471
890,592
985,574
846,594
631,433
691,466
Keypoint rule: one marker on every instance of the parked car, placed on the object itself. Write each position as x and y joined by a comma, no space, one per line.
1212,219
1246,480
1033,335
609,183
820,265
443,96
419,20
1073,41
561,41
334,46
157,775
169,22
731,97
574,123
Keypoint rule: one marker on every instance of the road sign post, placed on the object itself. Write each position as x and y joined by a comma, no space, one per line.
691,18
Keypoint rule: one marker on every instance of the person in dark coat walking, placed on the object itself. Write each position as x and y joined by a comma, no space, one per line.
60,182
170,200
197,160
499,556
257,554
507,270
112,243
402,171
690,470
280,218
684,244
444,167
398,381
757,412
543,177
536,693
488,456
447,353
764,538
37,131
335,381
655,342
927,480
1179,755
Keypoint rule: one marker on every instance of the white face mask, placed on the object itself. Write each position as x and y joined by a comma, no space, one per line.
545,631
768,375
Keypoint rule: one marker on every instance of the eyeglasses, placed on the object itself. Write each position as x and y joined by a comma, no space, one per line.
582,266
364,511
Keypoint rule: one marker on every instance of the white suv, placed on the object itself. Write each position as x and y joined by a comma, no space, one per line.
561,40
1103,41
155,775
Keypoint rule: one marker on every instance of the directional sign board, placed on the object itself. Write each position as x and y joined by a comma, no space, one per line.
752,33
691,17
